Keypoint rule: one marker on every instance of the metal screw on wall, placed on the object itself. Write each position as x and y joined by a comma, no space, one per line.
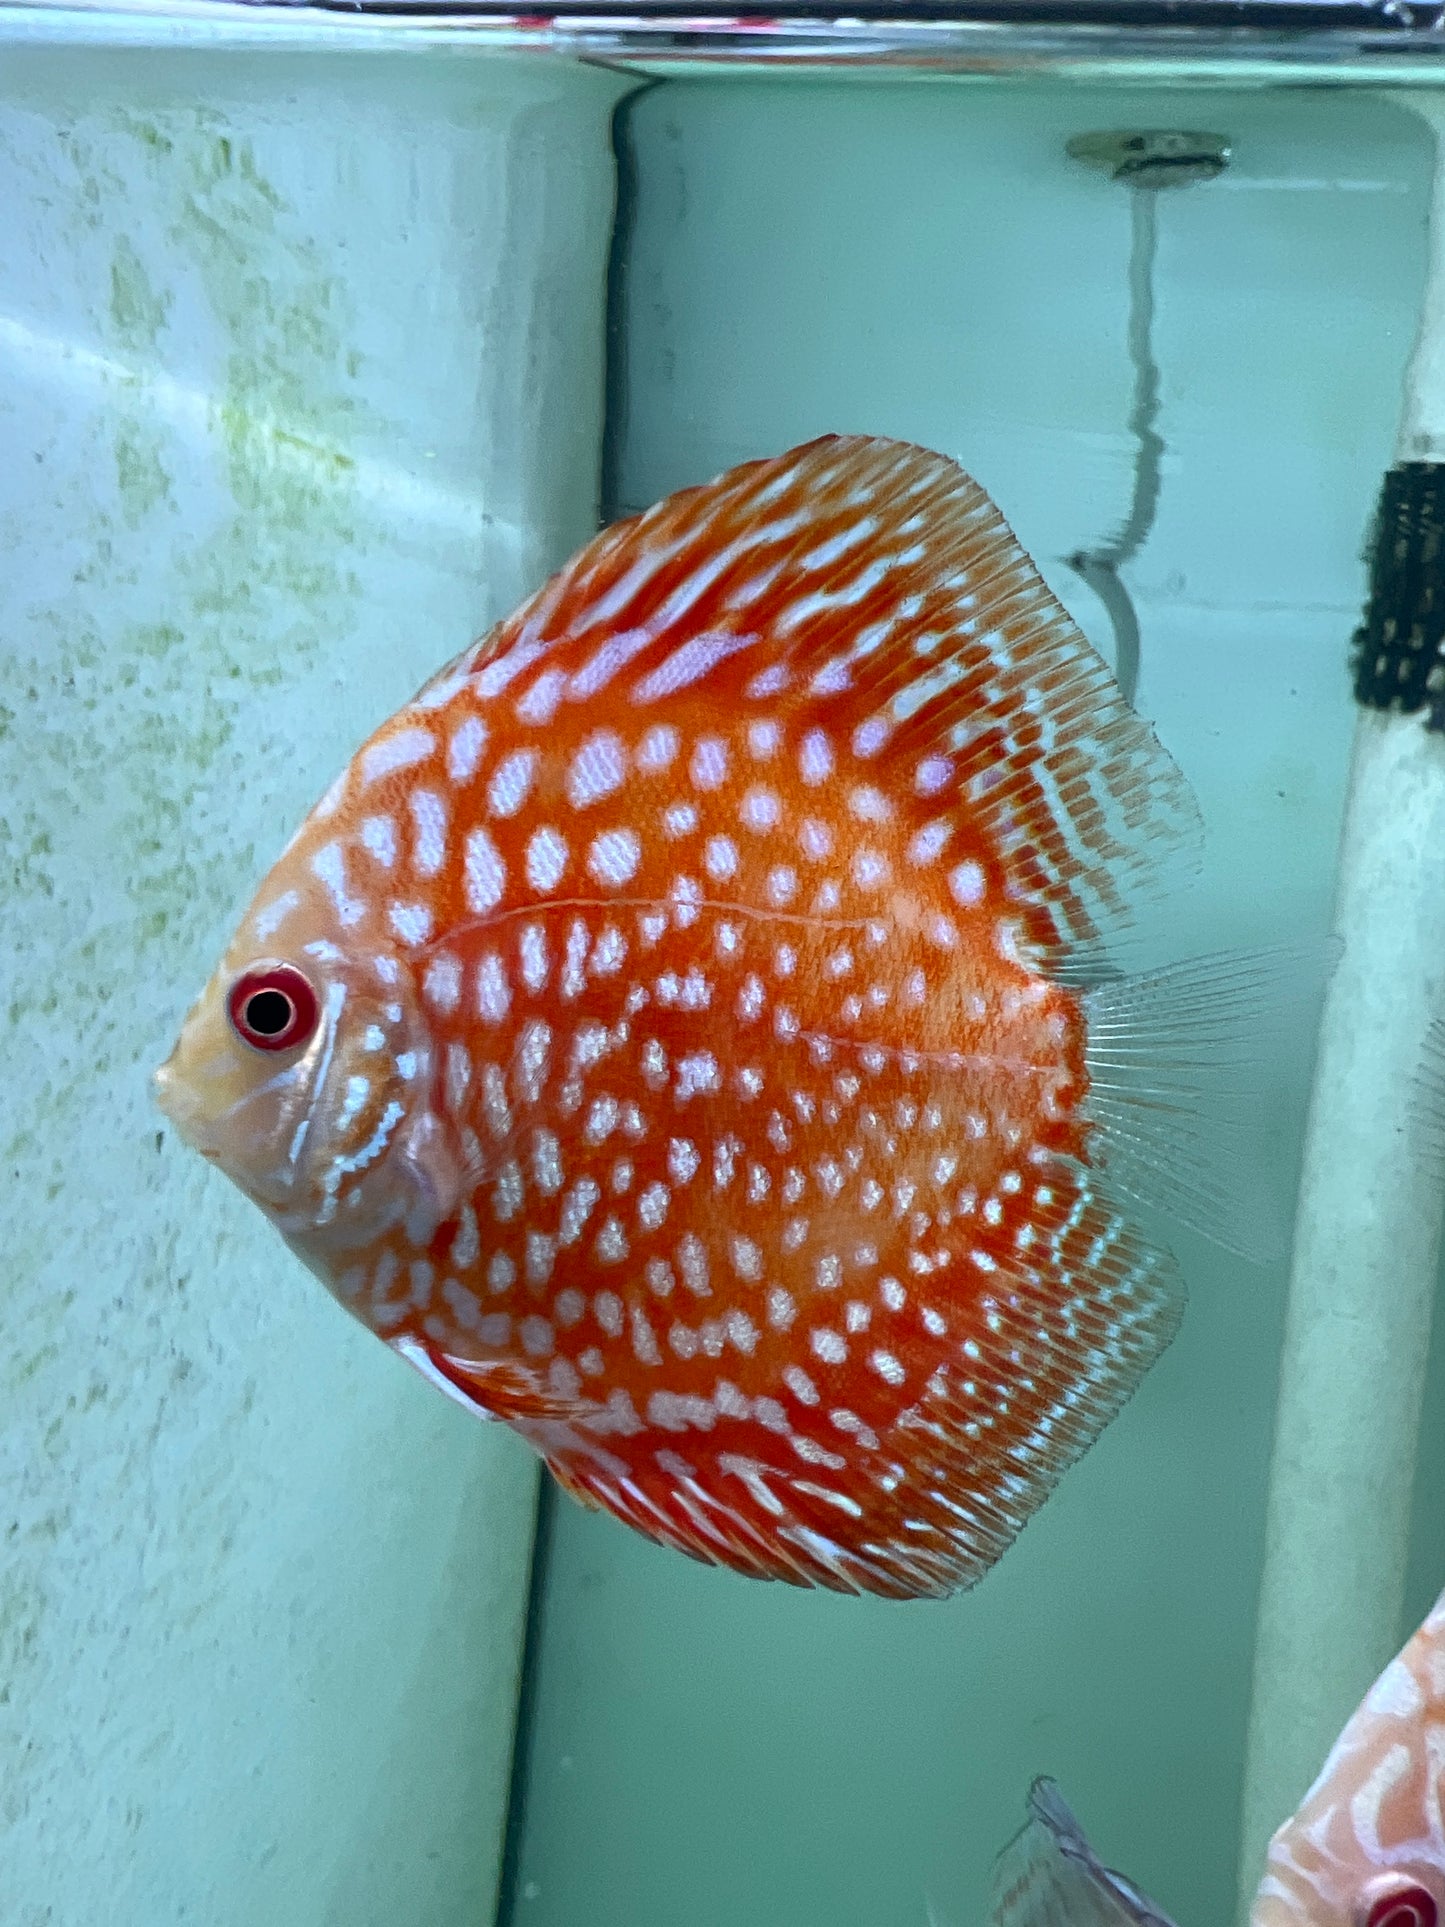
1144,160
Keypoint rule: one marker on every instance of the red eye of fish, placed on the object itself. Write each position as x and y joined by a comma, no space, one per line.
273,1007
1400,1902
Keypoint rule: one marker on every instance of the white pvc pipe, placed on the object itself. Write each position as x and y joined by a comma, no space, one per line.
1368,1231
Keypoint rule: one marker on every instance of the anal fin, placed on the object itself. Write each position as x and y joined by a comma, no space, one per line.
928,1505
1071,1340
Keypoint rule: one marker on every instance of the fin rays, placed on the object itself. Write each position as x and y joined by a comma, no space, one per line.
1049,1876
982,1449
1176,1060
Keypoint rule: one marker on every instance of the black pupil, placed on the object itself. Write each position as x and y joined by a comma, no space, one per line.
269,1012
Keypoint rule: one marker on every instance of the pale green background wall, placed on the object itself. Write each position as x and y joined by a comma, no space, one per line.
919,259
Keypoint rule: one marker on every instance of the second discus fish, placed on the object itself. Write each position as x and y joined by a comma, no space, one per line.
1365,1848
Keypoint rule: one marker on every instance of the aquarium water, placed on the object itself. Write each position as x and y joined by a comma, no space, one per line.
316,355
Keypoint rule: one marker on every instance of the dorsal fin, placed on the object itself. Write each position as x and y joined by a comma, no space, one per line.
870,588
1049,1876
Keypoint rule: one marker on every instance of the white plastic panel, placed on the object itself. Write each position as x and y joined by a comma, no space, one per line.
300,385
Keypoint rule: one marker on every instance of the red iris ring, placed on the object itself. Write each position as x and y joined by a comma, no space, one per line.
273,1007
1407,1905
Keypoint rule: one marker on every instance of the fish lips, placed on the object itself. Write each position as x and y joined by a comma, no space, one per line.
213,1126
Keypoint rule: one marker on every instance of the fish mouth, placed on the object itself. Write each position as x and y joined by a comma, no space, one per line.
231,1134
178,1103
172,1098
177,1100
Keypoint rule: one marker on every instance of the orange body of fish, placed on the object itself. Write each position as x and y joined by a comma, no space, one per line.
669,1032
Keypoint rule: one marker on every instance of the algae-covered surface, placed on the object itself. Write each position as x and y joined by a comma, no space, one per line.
260,1589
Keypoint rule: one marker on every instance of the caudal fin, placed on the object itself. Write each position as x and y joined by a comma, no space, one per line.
1181,1063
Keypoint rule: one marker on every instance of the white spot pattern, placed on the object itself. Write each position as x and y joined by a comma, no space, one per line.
709,766
546,858
494,995
511,780
596,770
402,749
378,836
412,922
464,751
429,829
617,960
486,874
614,857
442,984
965,881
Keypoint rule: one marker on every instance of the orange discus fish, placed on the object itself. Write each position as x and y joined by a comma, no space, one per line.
667,1033
1366,1847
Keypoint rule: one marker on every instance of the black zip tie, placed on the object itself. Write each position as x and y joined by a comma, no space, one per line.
1399,648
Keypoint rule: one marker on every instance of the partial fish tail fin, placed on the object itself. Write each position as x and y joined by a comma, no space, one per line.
1049,1876
1183,1064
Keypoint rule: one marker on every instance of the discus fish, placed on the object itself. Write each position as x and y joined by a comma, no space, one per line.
1366,1847
667,1033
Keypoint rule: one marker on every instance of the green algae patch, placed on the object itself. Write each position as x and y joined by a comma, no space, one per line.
141,478
214,570
137,312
